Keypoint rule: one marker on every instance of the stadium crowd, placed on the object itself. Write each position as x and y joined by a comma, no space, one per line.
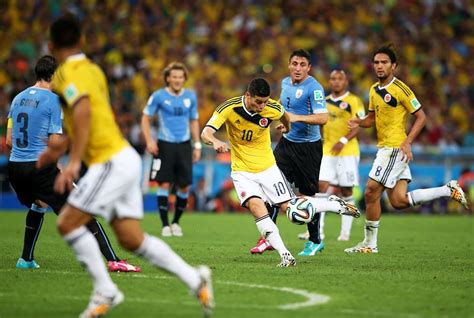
225,44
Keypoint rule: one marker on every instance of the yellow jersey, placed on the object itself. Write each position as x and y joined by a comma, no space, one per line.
392,104
340,110
74,79
249,134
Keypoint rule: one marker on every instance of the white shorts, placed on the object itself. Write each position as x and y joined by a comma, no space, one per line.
388,167
269,185
341,171
111,189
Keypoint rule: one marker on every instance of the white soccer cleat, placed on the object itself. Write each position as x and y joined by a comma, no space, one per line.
346,208
362,248
205,293
166,231
176,230
457,194
304,236
99,304
287,260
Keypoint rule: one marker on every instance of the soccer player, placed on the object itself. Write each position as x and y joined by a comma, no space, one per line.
176,108
111,185
34,117
339,166
255,174
390,102
298,153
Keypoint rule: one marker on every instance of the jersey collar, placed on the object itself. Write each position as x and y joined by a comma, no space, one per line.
245,108
393,79
340,97
76,57
300,83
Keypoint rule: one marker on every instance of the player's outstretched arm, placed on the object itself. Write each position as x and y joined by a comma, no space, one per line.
207,136
366,122
313,119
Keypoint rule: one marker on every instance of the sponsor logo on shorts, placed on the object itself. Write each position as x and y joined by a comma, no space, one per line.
243,194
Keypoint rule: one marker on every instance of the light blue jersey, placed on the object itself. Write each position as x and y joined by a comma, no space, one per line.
304,98
35,114
174,113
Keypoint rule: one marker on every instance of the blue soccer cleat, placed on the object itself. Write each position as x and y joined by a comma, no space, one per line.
22,264
311,249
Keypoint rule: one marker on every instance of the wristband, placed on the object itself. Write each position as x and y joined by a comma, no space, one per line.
343,140
197,145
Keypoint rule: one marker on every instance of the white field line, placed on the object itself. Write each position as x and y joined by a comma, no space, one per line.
312,299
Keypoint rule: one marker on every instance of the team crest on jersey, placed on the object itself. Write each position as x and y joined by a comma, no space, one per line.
387,98
187,102
299,93
343,105
263,122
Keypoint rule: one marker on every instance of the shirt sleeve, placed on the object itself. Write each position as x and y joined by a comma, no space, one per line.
73,89
318,99
359,109
277,109
193,114
410,102
219,118
371,97
56,122
151,107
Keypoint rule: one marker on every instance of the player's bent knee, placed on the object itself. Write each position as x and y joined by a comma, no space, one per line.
130,243
399,204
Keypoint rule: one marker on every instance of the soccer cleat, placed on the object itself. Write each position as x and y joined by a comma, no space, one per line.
204,293
343,237
311,249
362,248
287,260
262,246
22,264
166,231
176,230
99,304
457,194
122,266
304,236
346,208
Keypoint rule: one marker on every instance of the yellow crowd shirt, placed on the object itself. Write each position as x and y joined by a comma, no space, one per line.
392,104
340,110
248,132
77,78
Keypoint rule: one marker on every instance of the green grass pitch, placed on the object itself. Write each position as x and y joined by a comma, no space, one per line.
424,269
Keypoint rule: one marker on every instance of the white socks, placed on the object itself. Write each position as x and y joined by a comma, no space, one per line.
87,252
420,196
322,204
161,255
371,230
346,220
270,232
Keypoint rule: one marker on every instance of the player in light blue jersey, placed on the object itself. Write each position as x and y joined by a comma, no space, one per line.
176,109
298,154
35,117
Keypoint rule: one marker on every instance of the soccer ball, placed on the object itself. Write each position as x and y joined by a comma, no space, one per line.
300,211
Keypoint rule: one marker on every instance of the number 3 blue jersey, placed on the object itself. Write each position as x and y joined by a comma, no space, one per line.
35,113
174,113
304,98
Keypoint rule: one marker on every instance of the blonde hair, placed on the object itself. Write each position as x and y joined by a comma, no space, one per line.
174,66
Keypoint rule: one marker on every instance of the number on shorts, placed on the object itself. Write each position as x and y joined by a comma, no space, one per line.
377,171
247,135
279,188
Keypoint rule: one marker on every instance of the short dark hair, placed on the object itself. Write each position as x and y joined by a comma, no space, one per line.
45,68
388,50
65,32
174,66
301,53
259,87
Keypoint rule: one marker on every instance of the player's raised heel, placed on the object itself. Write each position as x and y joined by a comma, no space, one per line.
346,208
287,260
205,293
100,305
122,266
22,264
457,194
311,249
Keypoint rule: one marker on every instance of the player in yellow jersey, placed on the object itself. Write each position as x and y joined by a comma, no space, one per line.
255,174
390,103
111,186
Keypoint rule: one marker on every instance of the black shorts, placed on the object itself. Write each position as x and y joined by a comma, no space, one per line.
176,163
300,163
31,184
